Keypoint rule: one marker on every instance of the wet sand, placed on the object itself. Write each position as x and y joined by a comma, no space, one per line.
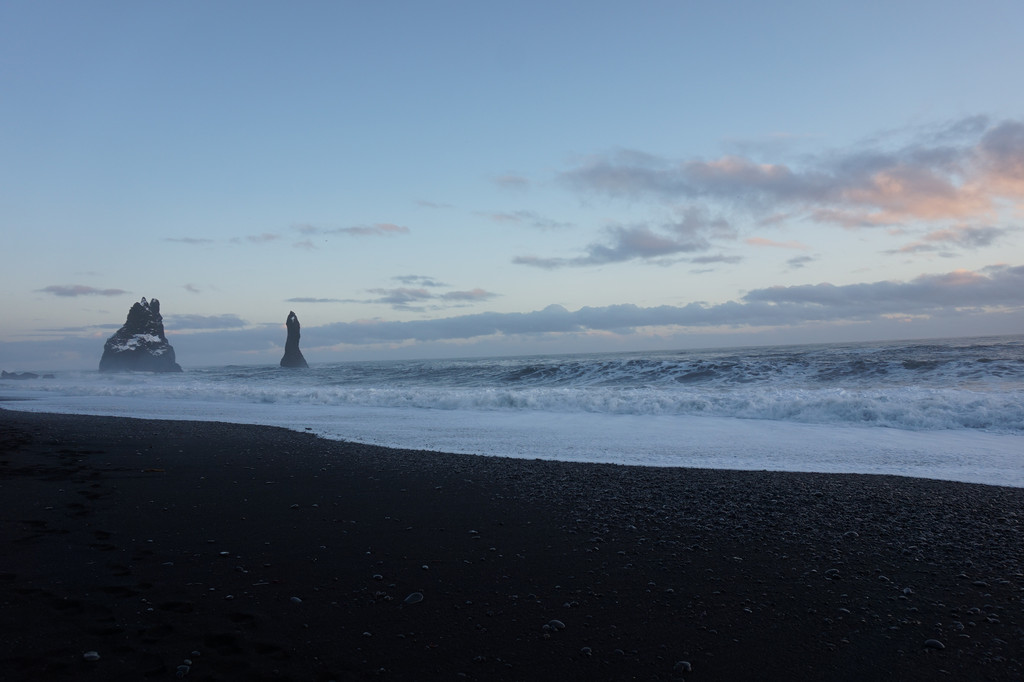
258,553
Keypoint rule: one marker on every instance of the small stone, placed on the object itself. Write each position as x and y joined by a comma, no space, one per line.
682,667
586,651
554,625
414,598
296,600
91,656
934,644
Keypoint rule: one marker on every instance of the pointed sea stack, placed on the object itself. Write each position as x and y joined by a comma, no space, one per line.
140,345
292,354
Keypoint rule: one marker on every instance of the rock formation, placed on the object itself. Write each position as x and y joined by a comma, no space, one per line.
140,345
292,354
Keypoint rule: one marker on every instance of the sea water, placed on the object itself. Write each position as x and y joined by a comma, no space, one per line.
946,409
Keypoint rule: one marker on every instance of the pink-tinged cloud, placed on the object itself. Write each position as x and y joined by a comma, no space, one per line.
761,241
963,173
71,290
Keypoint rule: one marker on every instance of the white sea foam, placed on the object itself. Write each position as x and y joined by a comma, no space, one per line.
952,410
648,440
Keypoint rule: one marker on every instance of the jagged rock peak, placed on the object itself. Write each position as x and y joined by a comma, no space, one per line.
292,354
140,344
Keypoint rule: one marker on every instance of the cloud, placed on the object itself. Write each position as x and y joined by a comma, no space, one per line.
1001,159
964,238
963,171
189,240
761,241
527,218
377,229
716,258
309,231
941,294
690,232
203,322
423,203
191,288
625,243
422,280
72,290
512,181
418,295
473,295
263,238
799,261
995,287
420,299
401,297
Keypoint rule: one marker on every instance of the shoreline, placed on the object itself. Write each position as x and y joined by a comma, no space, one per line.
715,443
279,555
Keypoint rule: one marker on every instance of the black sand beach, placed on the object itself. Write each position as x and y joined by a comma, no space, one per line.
261,554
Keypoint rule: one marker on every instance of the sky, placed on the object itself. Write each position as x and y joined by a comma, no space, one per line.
445,179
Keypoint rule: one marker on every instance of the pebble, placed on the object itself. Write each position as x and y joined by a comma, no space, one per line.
414,598
554,625
682,667
296,600
91,656
934,644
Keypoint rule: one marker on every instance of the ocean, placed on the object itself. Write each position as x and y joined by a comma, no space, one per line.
948,409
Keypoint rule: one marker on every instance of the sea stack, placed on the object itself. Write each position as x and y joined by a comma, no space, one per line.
140,345
292,354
